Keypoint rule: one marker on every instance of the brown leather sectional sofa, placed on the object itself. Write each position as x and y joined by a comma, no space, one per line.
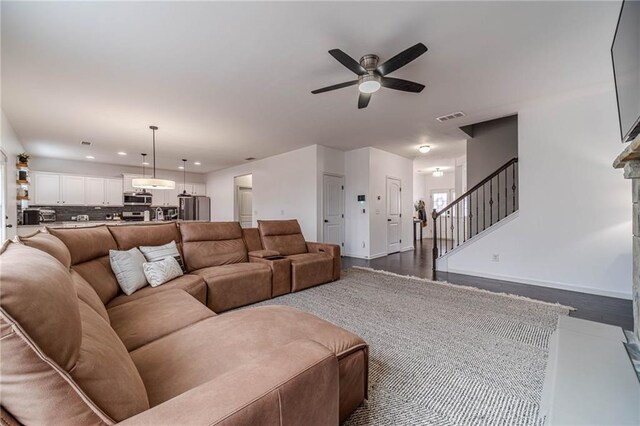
76,350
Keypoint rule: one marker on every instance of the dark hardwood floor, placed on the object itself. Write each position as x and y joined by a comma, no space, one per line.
608,310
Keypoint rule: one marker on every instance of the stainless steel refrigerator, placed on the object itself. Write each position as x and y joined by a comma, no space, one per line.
197,207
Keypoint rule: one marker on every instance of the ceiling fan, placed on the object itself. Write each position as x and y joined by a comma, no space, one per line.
372,76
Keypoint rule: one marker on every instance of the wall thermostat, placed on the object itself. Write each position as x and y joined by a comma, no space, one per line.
361,198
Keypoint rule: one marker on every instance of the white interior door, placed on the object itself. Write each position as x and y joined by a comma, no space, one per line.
3,197
245,206
333,210
394,215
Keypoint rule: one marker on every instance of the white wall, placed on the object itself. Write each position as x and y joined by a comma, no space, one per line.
573,229
11,146
284,187
89,168
357,236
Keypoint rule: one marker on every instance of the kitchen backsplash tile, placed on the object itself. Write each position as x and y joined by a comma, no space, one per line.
65,213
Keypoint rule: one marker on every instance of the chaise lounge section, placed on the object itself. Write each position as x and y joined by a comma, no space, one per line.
161,355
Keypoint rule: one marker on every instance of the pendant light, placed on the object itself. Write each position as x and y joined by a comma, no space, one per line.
144,174
184,193
153,183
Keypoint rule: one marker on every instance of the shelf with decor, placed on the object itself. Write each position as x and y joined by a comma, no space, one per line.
22,178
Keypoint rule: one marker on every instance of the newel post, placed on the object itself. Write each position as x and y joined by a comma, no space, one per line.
434,252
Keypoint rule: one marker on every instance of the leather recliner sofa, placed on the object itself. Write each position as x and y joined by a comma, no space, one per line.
76,350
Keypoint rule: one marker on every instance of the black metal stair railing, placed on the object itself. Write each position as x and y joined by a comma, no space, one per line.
487,203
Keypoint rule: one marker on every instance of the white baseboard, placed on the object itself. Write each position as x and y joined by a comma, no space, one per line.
550,284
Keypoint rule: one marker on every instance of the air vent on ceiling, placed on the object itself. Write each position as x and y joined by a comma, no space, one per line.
85,143
450,116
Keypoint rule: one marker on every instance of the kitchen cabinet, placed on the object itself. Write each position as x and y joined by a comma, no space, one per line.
113,189
128,182
188,187
199,189
94,191
73,190
165,197
47,189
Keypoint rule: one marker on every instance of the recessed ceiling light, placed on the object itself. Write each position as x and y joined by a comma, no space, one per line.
424,149
122,153
145,163
181,167
197,163
90,157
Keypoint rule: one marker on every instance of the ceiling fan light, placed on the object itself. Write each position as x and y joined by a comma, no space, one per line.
424,149
370,86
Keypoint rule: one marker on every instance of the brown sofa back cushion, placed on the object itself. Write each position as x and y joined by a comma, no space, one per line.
60,359
208,244
130,236
88,295
48,243
283,236
86,244
252,239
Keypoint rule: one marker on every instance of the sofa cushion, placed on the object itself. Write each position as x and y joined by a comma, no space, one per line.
251,238
310,269
192,284
105,371
216,345
283,236
86,244
37,292
88,295
48,243
129,236
162,271
129,270
157,253
238,284
209,244
149,318
99,274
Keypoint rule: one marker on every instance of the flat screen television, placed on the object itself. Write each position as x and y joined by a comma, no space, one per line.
625,53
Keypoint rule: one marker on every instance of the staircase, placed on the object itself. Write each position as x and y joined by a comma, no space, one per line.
487,203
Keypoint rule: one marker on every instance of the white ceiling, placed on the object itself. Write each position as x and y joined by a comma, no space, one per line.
225,81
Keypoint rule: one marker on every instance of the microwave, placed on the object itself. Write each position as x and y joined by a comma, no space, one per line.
136,199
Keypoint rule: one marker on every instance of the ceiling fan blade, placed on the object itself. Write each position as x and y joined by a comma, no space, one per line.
334,87
400,84
401,59
363,100
348,61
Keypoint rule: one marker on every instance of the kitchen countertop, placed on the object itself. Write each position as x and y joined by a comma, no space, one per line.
85,223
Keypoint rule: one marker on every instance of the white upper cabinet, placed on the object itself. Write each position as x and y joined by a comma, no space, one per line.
113,192
199,189
128,182
73,190
47,188
182,187
94,191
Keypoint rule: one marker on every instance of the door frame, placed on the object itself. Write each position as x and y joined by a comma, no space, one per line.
386,211
321,212
236,213
4,211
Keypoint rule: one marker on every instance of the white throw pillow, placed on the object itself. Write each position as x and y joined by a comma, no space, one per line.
160,272
156,253
127,266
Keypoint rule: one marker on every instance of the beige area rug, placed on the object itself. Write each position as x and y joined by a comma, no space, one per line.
440,354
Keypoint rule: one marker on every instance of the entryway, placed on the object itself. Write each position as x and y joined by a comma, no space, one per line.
394,215
333,209
244,200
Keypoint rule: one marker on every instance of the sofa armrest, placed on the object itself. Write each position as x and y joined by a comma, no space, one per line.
263,253
333,250
280,273
294,385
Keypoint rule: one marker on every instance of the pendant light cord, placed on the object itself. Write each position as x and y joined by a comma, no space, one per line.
154,151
